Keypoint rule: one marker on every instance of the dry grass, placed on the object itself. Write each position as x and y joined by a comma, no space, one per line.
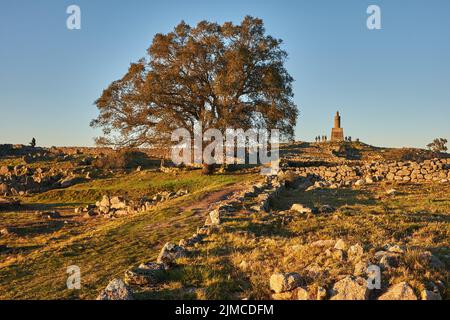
237,262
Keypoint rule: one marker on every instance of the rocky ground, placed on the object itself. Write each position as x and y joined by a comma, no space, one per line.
336,216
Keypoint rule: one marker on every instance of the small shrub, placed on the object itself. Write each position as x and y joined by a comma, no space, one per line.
123,159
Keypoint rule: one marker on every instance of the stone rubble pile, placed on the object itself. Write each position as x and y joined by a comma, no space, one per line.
293,286
149,274
286,286
21,179
436,170
120,206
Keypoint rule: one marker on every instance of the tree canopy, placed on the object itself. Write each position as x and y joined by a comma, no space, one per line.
438,145
224,76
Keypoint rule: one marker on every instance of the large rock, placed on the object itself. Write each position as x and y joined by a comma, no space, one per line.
323,243
297,207
118,203
104,205
116,290
215,217
146,274
355,252
400,291
296,294
350,288
283,282
340,245
170,253
387,260
396,249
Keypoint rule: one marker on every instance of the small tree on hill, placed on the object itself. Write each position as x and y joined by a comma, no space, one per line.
33,143
438,145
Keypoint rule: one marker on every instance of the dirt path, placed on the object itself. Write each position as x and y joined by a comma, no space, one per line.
209,200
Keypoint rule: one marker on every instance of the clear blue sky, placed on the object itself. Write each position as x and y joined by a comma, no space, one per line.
392,86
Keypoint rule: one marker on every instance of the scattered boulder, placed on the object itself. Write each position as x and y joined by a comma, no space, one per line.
204,231
391,192
361,268
355,252
118,203
338,255
170,253
396,249
387,259
146,274
340,245
400,291
298,293
282,282
215,217
350,288
104,205
5,232
116,290
299,208
323,243
360,182
369,180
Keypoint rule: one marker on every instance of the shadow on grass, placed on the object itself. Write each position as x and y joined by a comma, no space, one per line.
199,281
34,229
319,197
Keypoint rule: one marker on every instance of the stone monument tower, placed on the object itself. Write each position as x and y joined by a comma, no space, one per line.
337,133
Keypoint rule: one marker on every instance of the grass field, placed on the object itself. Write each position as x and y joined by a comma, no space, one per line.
43,249
237,261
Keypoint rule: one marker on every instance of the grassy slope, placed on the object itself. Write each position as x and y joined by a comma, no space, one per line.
237,261
101,248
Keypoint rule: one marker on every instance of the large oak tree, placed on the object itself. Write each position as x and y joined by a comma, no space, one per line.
225,76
